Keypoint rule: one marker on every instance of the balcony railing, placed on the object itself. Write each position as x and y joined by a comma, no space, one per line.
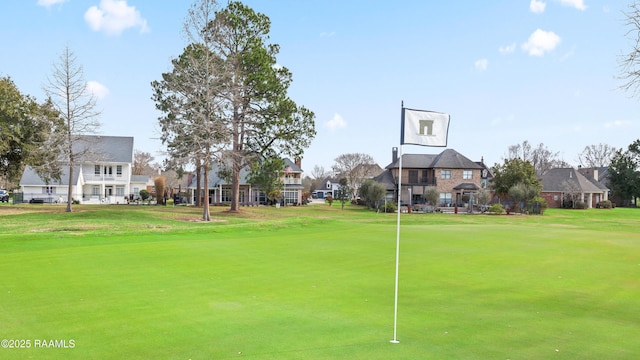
93,177
293,181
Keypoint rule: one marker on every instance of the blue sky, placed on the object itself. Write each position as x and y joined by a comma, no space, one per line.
506,71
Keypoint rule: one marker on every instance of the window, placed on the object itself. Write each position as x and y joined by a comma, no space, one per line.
96,170
445,174
136,191
413,176
108,170
95,190
119,190
445,199
226,195
48,190
467,174
119,170
290,197
425,177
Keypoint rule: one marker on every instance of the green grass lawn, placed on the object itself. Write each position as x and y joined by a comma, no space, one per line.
317,282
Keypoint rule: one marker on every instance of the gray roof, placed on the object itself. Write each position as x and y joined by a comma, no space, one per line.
466,186
31,178
105,148
294,167
554,181
386,179
448,159
139,178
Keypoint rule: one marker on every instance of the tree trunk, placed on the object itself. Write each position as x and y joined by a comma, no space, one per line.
206,216
198,182
235,188
70,190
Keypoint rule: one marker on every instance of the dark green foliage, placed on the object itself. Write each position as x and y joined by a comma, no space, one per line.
624,176
372,192
513,172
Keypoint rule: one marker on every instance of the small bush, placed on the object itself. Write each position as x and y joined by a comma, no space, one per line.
390,207
496,209
581,205
606,204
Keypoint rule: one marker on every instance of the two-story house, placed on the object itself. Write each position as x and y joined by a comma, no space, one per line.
102,174
452,174
220,189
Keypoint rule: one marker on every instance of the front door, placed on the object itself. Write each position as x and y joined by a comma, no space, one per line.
108,191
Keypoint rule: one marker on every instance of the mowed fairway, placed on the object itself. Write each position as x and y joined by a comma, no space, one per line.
316,282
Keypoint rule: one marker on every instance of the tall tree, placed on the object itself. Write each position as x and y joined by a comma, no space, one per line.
260,117
597,155
25,126
236,90
355,168
76,105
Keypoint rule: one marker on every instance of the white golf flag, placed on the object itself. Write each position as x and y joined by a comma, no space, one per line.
427,128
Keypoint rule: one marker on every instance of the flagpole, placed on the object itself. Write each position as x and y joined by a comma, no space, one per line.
395,302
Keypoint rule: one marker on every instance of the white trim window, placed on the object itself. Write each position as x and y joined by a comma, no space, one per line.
445,174
49,190
119,170
95,190
119,190
467,174
96,170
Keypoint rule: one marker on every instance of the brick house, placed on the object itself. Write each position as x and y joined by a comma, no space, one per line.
451,173
558,184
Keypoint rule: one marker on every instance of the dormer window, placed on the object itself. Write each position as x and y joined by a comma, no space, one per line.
328,184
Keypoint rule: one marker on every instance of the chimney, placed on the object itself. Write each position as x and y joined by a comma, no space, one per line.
394,155
298,162
595,174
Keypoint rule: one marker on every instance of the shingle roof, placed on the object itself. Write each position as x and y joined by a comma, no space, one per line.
31,178
105,148
448,159
554,181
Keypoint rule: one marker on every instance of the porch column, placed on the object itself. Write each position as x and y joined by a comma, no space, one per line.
590,202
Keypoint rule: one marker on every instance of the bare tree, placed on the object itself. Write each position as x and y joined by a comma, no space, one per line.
597,155
319,172
520,151
540,157
572,191
629,63
142,163
355,168
76,105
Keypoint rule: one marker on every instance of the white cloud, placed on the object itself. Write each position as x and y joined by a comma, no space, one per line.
481,64
98,90
541,42
508,49
337,122
49,3
617,124
578,4
537,6
114,16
